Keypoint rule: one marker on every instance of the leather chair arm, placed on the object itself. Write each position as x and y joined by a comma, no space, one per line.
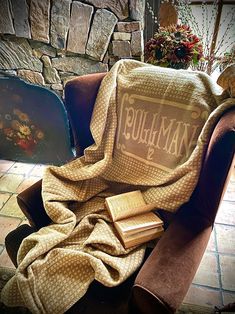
217,165
80,96
165,277
31,204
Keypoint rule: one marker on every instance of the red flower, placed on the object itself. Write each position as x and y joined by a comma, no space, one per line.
26,145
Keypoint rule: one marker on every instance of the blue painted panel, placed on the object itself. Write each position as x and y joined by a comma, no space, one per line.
33,124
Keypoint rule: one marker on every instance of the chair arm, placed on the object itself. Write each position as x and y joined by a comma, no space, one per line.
80,96
31,204
165,277
217,165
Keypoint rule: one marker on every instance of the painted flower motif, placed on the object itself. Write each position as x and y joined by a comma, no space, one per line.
7,116
25,130
15,124
16,111
8,132
39,134
18,129
23,117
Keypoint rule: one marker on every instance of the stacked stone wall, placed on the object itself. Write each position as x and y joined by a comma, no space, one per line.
49,42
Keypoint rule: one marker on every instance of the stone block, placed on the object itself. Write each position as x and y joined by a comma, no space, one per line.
78,65
137,43
44,49
46,61
31,76
119,8
122,48
106,58
50,74
63,75
137,10
57,87
37,53
113,60
21,18
39,20
100,34
6,24
60,16
79,27
67,79
17,54
128,26
121,36
11,72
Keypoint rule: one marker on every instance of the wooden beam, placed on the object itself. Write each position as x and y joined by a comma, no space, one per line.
215,35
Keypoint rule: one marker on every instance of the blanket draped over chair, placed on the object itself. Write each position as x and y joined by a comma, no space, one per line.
151,126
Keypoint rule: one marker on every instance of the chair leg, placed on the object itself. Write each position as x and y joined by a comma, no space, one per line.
13,241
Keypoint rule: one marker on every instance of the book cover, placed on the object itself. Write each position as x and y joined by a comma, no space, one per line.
126,205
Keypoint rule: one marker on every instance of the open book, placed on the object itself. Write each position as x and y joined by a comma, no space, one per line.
133,219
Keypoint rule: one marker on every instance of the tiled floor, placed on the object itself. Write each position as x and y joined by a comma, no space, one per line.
214,283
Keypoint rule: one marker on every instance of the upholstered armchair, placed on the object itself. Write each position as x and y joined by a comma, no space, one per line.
161,283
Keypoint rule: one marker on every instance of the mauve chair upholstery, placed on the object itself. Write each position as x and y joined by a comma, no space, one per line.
161,283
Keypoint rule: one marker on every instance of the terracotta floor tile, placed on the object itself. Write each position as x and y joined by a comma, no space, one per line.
10,182
5,165
21,168
226,213
230,192
211,244
228,297
11,208
203,296
5,260
225,236
27,183
227,266
4,197
38,171
7,224
207,274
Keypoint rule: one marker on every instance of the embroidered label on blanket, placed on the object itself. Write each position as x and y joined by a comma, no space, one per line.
158,132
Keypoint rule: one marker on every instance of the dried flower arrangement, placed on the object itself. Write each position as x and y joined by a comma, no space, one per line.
174,46
213,21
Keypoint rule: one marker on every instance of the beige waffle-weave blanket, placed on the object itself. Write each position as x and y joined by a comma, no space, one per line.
151,126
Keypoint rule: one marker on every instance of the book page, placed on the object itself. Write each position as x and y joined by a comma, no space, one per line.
138,223
126,205
143,237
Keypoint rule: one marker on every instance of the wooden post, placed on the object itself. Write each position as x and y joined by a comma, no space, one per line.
214,37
